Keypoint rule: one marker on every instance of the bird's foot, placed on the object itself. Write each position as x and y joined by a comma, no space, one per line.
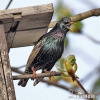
51,73
34,72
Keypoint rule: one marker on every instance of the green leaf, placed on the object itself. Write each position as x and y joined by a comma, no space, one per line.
77,27
60,62
96,87
61,10
65,42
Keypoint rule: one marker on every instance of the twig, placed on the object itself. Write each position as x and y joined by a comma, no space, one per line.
18,67
48,82
8,4
81,16
60,86
44,81
16,70
78,82
37,75
91,38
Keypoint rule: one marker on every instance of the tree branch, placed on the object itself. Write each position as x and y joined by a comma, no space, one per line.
37,75
60,86
91,38
81,16
49,82
44,81
81,86
78,82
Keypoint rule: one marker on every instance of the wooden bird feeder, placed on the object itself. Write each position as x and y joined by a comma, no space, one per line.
19,27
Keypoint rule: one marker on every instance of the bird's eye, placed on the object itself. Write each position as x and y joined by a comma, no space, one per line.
65,22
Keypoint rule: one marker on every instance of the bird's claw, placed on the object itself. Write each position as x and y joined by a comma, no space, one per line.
34,72
52,73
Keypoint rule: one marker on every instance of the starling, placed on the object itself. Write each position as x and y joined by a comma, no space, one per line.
47,50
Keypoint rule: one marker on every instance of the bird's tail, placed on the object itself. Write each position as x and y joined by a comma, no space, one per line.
38,80
23,82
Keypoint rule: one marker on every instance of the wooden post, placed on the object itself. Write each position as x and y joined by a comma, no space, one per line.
12,31
6,83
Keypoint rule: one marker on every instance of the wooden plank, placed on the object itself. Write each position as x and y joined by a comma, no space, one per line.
34,12
29,10
33,19
26,38
6,18
6,66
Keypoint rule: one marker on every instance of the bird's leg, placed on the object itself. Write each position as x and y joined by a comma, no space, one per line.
51,73
34,72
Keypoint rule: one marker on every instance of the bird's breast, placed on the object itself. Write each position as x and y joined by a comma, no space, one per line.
59,35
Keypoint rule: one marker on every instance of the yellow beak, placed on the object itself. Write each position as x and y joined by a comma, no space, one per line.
69,27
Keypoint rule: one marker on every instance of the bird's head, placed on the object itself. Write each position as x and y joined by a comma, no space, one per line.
64,24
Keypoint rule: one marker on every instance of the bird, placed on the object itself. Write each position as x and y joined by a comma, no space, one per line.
47,50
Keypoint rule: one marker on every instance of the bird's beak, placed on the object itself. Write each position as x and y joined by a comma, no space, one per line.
70,28
70,25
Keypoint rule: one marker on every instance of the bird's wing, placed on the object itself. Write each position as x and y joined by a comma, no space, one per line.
34,52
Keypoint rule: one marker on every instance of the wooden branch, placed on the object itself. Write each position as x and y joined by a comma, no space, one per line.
90,13
81,16
37,75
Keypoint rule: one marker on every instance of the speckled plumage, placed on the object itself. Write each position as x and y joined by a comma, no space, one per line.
48,48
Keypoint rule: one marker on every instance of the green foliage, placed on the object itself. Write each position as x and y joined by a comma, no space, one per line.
62,10
65,42
96,88
97,85
77,27
60,62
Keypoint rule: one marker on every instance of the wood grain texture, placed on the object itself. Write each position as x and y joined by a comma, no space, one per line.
33,18
6,70
28,37
3,90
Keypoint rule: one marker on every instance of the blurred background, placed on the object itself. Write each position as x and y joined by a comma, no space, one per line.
84,43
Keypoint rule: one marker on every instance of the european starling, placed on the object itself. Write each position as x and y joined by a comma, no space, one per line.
47,50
